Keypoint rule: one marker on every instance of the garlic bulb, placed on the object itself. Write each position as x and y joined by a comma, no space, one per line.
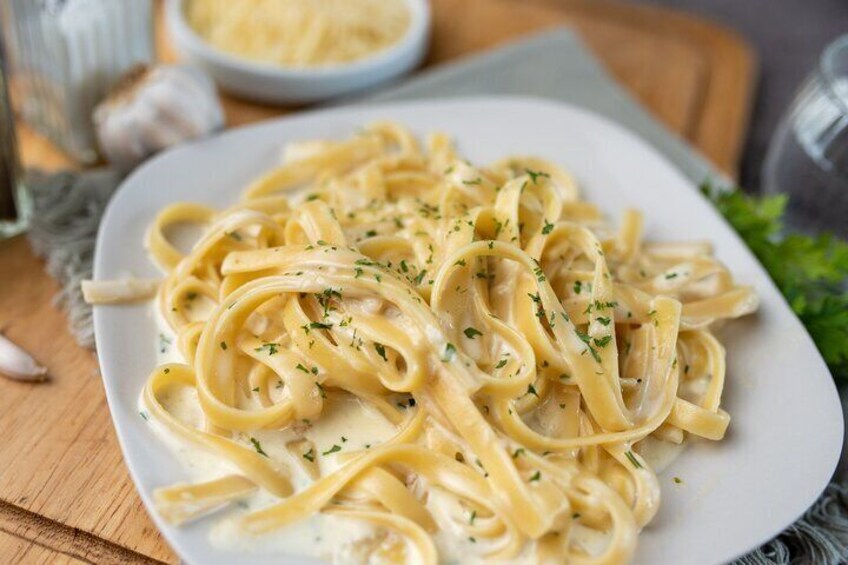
16,364
153,108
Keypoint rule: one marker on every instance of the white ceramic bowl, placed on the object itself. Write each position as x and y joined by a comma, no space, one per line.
265,82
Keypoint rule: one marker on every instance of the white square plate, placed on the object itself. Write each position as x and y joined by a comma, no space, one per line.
786,432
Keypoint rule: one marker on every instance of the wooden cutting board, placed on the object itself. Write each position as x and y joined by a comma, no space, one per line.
65,494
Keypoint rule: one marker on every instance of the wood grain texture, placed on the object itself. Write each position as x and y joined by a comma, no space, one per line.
36,539
22,550
65,494
60,457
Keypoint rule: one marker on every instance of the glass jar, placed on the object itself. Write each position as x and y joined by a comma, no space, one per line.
15,204
808,156
63,56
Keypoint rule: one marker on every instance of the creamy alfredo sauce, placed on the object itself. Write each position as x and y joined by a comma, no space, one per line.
346,424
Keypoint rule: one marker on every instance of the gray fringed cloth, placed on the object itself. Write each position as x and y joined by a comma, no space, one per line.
68,208
819,536
554,65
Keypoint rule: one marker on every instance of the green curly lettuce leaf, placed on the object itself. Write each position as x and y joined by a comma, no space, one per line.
809,271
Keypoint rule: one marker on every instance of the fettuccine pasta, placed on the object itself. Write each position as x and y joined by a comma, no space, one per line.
523,354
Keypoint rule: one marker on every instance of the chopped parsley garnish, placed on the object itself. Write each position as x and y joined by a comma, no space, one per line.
547,228
578,285
677,480
309,455
532,390
604,341
270,348
534,175
258,446
540,274
320,326
470,332
381,350
500,364
633,460
604,321
517,452
224,345
333,449
472,517
450,353
536,476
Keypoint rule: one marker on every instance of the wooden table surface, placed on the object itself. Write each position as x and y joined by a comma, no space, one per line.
65,494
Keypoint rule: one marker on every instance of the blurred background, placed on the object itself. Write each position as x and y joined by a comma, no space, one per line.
788,37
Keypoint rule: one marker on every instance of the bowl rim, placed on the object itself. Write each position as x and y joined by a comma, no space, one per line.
416,34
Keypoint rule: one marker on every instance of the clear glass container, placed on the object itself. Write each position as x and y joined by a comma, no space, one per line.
63,56
15,204
808,156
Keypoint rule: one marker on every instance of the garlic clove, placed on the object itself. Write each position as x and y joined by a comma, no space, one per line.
154,108
17,364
